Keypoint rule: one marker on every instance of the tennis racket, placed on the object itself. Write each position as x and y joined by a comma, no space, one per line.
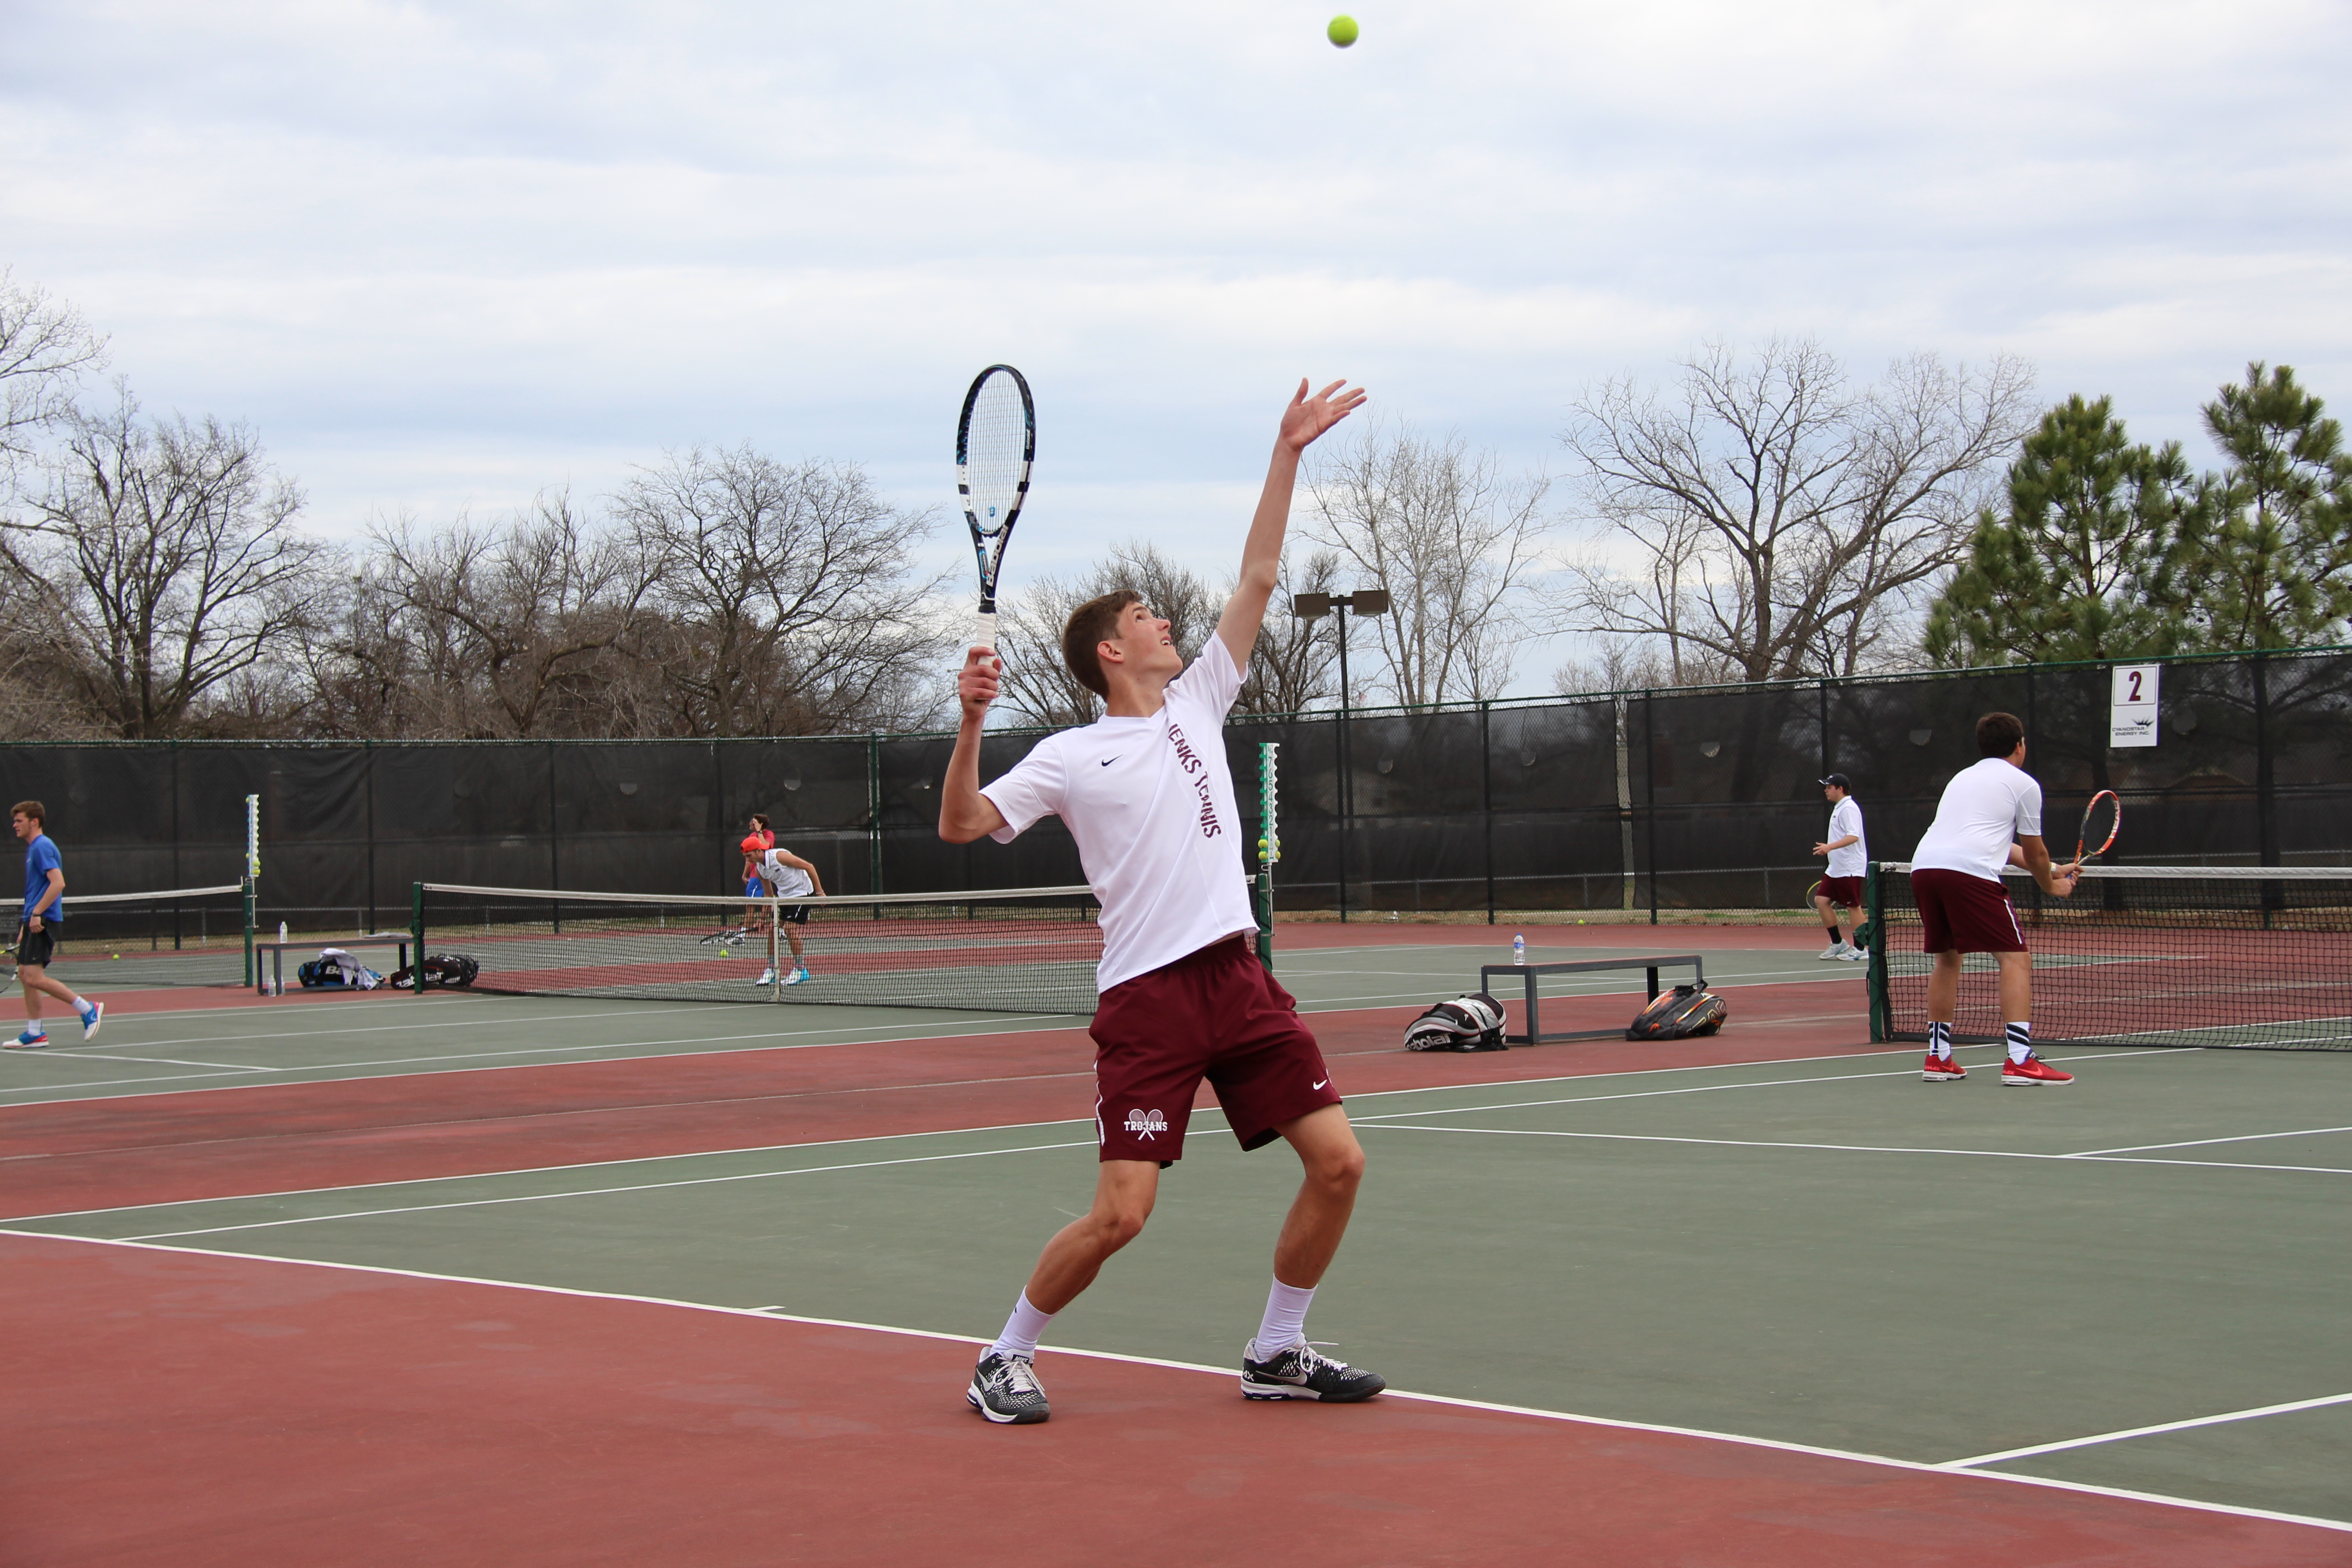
996,437
2102,820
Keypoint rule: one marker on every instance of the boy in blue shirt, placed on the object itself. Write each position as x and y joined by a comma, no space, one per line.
37,925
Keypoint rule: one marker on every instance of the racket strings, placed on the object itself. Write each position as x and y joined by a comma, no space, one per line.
995,458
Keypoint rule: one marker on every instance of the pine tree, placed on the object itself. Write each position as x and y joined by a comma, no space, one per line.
2272,565
2084,562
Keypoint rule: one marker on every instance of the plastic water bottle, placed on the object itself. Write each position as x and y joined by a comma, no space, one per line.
1519,948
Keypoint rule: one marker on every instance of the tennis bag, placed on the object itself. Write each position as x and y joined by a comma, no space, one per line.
1678,1015
441,969
1472,1022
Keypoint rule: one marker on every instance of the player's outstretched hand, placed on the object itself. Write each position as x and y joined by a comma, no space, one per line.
2064,879
1308,417
976,684
1821,848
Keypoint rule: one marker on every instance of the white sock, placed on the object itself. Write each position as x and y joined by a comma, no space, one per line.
1022,1329
1939,1041
1284,1323
2021,1041
81,1007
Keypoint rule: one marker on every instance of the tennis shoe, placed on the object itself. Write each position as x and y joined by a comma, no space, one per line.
30,1041
1941,1069
89,1019
2032,1072
798,976
767,977
1834,950
1302,1372
1854,954
1005,1389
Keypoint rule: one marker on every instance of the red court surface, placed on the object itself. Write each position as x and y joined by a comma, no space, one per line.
71,1155
295,1413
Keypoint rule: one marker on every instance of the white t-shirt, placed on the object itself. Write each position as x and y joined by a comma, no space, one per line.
784,881
1984,810
1150,803
1854,858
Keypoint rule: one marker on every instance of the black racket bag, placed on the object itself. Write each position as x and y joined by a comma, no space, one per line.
1678,1015
1473,1022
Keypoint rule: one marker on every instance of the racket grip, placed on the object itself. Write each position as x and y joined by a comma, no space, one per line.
984,630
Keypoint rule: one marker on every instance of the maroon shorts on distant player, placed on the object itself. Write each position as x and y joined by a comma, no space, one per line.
1970,914
1843,892
1214,1014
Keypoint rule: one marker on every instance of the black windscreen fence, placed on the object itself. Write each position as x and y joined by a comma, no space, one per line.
1657,800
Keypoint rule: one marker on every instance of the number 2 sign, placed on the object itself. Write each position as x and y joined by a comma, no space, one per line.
2131,718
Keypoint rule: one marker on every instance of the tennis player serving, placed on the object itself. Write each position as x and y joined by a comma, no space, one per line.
1145,792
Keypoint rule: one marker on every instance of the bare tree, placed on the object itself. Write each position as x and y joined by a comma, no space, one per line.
1764,515
1294,664
1627,664
520,614
1037,685
45,348
163,559
784,603
1457,544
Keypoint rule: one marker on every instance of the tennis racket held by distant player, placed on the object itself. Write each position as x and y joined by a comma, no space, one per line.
2102,820
996,440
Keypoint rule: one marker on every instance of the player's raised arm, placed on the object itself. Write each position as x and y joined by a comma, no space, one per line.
965,814
1302,421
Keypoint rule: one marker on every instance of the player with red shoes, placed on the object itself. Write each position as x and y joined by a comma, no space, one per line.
1990,819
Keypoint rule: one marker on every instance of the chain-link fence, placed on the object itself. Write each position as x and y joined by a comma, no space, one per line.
1670,799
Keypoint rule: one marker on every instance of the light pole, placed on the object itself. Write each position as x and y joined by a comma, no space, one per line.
1314,608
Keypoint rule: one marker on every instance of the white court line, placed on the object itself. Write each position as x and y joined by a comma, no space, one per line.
2201,1142
2129,1432
1717,1088
328,1072
772,1314
595,1192
959,1132
1387,1126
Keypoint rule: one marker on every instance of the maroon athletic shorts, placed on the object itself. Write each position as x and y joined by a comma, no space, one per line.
1971,914
1215,1013
1843,892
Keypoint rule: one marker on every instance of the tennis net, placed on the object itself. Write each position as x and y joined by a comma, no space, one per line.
1029,950
2245,956
180,936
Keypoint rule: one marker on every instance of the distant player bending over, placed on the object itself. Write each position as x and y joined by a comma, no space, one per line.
755,847
1145,792
790,876
1989,820
1849,858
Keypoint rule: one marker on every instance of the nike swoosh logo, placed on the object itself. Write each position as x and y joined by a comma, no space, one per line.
1319,1083
1107,761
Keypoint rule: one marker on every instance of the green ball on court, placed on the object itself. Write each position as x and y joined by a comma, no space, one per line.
1342,31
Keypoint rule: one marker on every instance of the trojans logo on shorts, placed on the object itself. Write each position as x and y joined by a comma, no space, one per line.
1147,1123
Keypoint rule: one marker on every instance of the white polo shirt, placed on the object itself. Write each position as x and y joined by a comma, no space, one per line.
1854,858
1150,803
1984,810
785,882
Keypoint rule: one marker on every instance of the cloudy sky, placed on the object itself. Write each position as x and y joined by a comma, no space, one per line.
443,256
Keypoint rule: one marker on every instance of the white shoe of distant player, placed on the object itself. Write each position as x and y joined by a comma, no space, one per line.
1854,954
767,977
798,976
1834,950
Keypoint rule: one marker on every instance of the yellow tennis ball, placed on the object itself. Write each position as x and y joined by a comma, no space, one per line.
1342,31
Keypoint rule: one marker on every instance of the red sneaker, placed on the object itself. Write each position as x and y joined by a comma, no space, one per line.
2034,1070
1941,1069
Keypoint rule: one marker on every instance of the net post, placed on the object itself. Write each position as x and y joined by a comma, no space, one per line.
1269,850
776,950
1881,1026
416,931
252,879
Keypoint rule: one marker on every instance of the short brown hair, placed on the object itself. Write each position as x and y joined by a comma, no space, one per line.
32,808
760,818
1998,735
1092,623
